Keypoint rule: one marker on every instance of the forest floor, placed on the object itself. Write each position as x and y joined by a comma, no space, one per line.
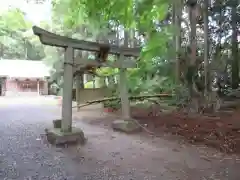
160,150
220,131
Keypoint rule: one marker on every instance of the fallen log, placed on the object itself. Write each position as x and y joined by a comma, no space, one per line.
118,99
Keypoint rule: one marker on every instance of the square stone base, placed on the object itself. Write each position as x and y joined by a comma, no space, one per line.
127,126
57,137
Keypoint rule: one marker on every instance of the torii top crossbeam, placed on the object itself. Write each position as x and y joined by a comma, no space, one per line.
52,39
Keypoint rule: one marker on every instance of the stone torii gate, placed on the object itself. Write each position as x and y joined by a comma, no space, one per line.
65,132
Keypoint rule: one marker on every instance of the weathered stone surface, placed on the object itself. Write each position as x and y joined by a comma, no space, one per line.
57,137
128,126
57,123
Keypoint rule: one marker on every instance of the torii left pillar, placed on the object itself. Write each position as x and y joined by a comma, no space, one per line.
63,132
67,90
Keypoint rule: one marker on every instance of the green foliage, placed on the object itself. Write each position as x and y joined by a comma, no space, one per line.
13,20
111,104
158,43
107,71
16,38
129,13
96,20
88,85
115,105
143,16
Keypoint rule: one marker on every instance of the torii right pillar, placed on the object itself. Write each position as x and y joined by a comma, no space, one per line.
126,123
125,104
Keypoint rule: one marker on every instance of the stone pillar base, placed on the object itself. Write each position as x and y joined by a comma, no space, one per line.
127,126
57,137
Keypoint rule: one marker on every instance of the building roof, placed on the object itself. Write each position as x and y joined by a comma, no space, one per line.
23,68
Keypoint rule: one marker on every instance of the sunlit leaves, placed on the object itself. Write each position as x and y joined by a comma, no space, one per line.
16,38
157,44
129,13
107,71
13,19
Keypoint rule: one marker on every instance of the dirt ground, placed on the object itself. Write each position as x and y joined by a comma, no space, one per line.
157,156
220,131
26,154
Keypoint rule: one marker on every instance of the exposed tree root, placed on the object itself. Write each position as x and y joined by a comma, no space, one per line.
118,99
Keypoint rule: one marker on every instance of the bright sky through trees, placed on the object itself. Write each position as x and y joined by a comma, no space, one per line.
34,12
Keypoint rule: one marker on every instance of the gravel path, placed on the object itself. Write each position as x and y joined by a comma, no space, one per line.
24,155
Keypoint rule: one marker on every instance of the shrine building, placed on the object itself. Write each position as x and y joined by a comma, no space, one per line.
23,77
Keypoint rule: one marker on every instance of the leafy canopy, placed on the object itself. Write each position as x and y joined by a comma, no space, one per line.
13,20
140,14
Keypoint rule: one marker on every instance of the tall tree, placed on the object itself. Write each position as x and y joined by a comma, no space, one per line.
206,47
192,6
177,8
235,63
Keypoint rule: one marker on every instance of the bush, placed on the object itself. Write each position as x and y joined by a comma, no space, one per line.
112,104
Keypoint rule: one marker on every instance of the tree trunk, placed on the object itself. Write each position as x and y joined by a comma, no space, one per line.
206,47
193,57
193,46
193,40
174,25
1,51
25,49
235,64
177,20
81,81
111,81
